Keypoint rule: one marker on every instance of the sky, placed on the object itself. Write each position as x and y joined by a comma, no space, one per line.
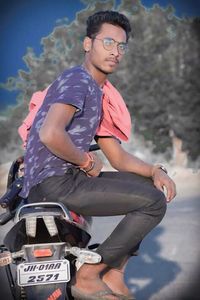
24,22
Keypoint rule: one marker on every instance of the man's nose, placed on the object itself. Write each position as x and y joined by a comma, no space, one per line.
115,50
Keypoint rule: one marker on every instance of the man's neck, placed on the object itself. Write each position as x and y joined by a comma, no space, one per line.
96,74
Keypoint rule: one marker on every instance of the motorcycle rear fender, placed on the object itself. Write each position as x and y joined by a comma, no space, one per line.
47,292
57,249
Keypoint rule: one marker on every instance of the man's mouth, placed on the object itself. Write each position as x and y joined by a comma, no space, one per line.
114,61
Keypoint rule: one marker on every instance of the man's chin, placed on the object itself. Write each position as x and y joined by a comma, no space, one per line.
108,70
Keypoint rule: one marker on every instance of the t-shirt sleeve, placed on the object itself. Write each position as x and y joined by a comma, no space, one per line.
70,88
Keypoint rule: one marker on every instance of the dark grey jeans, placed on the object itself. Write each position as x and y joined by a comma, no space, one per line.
109,194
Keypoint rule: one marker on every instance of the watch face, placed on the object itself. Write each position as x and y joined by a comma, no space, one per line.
164,169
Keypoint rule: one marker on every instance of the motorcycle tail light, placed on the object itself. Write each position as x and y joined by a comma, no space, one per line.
77,218
42,252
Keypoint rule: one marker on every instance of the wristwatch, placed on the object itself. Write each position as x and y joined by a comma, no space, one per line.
159,166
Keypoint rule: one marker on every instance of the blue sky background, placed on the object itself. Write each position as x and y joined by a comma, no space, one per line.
24,22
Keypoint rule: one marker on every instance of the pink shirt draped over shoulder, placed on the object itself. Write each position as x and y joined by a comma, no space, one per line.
116,120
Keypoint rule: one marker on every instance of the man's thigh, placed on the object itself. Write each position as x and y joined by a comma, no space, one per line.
112,193
127,176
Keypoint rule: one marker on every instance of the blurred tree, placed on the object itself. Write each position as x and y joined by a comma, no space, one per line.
158,78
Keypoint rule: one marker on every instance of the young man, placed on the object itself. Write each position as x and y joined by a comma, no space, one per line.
58,166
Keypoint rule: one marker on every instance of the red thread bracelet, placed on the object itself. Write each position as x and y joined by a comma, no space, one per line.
87,162
89,165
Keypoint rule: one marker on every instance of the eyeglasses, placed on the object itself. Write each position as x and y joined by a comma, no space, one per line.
109,43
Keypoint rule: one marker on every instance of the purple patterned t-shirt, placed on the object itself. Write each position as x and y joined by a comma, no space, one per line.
76,87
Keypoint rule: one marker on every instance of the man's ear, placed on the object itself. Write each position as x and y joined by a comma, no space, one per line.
87,44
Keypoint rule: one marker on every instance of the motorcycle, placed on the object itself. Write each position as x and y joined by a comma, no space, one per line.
46,245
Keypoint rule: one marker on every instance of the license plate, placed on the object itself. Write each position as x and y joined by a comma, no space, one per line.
46,272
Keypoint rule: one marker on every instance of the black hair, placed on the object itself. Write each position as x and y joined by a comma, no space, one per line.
95,21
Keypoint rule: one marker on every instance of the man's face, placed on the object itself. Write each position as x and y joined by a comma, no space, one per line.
103,59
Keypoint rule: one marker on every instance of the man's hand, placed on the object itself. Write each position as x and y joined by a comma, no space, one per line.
164,183
98,165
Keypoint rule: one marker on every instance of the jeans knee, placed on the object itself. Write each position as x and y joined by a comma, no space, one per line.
163,206
159,206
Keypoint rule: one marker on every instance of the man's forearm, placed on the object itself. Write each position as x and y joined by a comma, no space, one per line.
131,163
60,144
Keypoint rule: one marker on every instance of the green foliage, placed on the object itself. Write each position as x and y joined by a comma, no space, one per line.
158,78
